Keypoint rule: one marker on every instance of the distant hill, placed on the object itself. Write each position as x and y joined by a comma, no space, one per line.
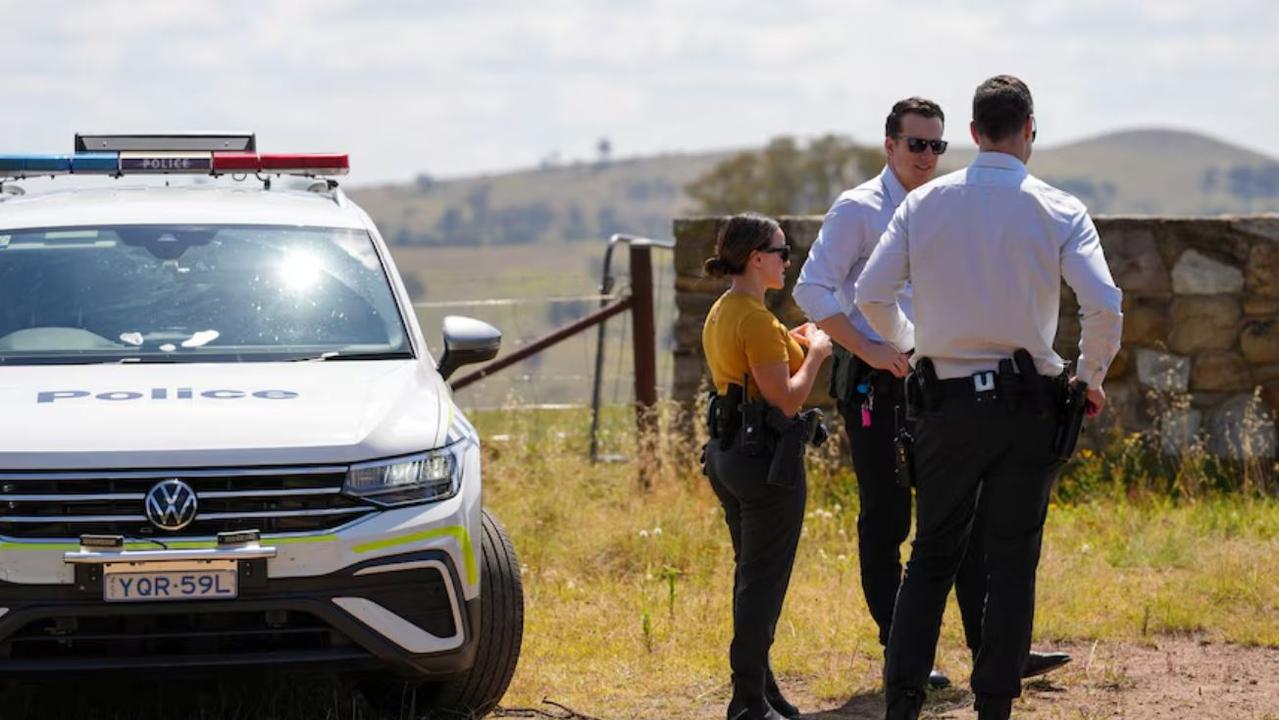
1158,172
1153,172
578,202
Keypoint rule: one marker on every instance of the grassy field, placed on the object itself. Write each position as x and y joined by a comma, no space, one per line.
1148,568
628,592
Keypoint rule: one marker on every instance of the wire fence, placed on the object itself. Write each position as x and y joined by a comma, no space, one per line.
561,375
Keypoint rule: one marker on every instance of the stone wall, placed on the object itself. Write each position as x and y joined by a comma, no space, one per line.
1200,358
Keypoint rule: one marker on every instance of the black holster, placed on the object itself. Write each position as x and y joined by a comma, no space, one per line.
903,450
1072,421
791,435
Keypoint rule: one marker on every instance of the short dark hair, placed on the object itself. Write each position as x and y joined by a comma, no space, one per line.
1001,106
916,105
739,237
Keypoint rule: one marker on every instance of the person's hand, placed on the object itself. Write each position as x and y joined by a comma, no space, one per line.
1094,401
800,334
819,343
884,357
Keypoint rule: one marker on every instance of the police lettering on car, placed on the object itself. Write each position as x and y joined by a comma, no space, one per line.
182,393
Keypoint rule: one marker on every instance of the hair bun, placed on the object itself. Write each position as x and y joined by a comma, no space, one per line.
716,267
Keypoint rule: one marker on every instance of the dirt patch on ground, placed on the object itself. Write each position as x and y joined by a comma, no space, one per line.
1167,679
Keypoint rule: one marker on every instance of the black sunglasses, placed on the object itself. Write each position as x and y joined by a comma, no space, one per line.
917,145
783,250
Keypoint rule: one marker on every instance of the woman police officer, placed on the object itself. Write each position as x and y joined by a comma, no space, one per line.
746,345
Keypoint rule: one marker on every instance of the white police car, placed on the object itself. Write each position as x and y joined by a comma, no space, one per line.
224,442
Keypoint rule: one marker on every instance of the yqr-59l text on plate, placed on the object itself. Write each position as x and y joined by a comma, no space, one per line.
159,586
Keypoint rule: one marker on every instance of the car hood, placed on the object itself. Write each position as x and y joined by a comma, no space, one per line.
218,415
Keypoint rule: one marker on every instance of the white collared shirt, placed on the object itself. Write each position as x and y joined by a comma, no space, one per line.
849,233
986,249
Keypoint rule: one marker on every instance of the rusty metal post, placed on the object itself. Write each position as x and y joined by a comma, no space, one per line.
544,342
644,344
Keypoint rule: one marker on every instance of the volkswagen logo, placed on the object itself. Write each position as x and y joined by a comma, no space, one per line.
171,504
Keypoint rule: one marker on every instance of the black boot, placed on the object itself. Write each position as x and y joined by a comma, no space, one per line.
904,704
740,708
773,694
1038,663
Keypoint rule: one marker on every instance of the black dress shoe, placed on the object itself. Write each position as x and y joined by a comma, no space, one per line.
759,709
773,695
1039,663
937,680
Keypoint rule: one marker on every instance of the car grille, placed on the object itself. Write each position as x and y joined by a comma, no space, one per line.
186,636
272,500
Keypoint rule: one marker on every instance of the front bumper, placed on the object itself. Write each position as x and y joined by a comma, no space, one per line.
407,612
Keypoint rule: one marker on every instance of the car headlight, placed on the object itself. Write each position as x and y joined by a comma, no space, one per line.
426,477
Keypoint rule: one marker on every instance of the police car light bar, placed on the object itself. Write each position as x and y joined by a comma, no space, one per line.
151,162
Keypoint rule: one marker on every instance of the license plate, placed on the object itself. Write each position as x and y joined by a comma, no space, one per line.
170,585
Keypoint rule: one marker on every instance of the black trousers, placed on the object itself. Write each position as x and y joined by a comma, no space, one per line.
764,522
975,460
883,520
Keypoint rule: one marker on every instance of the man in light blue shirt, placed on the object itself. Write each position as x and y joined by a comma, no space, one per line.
986,250
867,372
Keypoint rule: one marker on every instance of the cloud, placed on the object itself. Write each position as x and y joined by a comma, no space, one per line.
453,87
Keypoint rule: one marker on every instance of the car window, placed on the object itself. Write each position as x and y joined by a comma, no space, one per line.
206,293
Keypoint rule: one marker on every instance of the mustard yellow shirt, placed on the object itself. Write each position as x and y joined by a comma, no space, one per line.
740,332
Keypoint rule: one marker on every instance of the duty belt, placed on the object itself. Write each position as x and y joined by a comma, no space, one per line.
1024,387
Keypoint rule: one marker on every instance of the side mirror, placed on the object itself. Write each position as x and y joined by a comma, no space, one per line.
467,341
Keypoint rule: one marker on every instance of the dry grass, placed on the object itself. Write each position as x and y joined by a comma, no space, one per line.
628,613
628,606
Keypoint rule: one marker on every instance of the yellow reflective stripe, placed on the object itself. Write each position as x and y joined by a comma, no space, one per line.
6,545
176,545
300,539
457,532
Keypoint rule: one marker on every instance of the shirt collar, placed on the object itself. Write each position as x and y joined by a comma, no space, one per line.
893,186
1001,161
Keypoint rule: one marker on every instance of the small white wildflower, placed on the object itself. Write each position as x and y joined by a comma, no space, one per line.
842,558
643,533
657,530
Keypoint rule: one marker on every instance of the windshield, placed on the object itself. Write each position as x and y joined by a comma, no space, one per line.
194,293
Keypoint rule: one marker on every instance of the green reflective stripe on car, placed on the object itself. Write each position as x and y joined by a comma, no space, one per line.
300,539
172,545
63,547
457,532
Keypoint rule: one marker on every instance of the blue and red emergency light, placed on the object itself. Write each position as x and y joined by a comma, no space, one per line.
192,154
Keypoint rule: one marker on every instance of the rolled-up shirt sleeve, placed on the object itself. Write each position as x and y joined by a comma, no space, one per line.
830,259
881,281
1083,267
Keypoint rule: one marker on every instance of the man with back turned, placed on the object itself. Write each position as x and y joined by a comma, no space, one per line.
985,250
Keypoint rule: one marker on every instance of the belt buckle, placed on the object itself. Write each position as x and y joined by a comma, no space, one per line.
984,385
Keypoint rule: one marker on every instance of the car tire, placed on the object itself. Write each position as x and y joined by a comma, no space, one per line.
476,692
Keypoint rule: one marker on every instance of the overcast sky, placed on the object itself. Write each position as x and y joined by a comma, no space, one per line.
452,88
